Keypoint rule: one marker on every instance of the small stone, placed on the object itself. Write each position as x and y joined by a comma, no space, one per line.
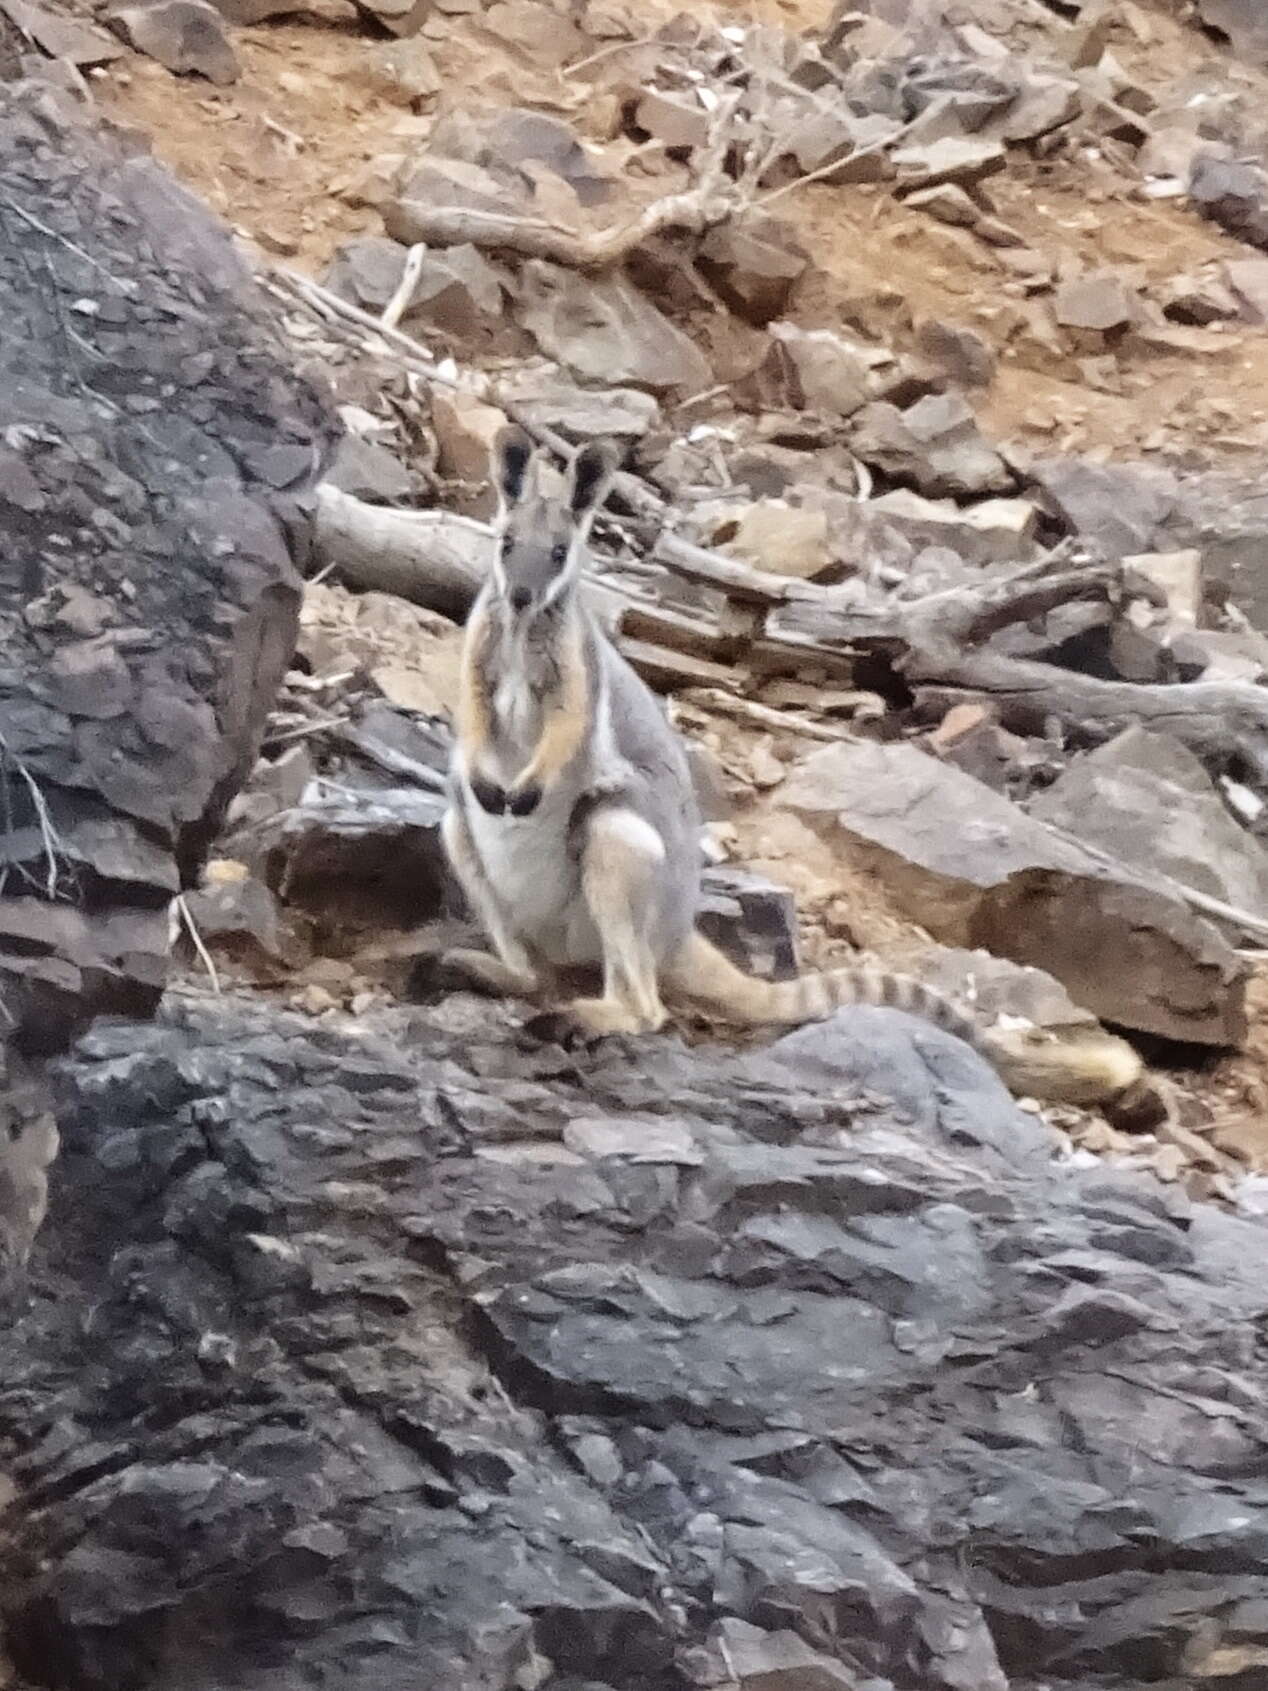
1232,193
1201,299
465,431
676,123
605,330
1146,800
777,1661
539,32
778,538
240,917
990,532
965,356
186,37
754,262
1178,575
1248,280
599,1457
640,1141
457,291
374,184
64,38
1099,301
400,17
952,159
407,66
948,204
821,371
1220,655
934,446
579,414
369,471
1046,103
1244,22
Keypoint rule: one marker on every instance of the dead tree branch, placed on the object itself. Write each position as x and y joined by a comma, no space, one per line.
432,558
710,201
1221,721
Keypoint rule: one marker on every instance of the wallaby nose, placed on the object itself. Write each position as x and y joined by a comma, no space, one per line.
520,597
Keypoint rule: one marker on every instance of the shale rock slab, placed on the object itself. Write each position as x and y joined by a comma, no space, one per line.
152,493
977,871
403,1352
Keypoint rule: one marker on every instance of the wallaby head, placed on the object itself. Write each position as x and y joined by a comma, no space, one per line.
542,537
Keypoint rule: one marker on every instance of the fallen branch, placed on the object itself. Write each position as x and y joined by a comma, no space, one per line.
432,558
397,306
767,716
692,212
937,626
438,559
693,563
204,956
1223,722
733,577
712,200
962,618
51,842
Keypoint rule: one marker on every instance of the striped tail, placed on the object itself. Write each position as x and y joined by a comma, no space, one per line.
700,976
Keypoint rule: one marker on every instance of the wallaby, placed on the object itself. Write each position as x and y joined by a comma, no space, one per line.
573,827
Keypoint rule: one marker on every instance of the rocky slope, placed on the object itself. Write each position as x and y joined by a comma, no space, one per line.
371,1338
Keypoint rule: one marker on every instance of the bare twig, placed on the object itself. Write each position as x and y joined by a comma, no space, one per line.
396,307
825,170
126,287
766,716
53,845
205,957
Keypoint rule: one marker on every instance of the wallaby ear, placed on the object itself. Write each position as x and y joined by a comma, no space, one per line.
590,477
512,454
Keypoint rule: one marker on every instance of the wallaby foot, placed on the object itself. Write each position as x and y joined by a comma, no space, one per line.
603,1016
487,973
623,855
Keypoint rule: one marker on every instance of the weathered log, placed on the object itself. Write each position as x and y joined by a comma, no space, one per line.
437,559
1224,722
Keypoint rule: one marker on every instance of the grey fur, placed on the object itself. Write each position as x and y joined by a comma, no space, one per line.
524,873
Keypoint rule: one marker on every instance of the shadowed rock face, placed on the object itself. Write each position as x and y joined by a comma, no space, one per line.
402,1353
154,451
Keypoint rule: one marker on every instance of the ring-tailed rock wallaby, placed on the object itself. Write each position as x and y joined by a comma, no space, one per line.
573,827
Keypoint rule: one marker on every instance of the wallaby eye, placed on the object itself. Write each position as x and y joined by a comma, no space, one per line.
506,546
559,555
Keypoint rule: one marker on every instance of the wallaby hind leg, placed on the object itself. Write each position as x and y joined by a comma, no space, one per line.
623,855
510,973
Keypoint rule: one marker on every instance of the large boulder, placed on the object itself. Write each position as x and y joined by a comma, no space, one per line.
975,870
396,1352
155,451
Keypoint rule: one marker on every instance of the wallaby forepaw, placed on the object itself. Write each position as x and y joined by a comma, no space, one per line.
489,796
523,801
